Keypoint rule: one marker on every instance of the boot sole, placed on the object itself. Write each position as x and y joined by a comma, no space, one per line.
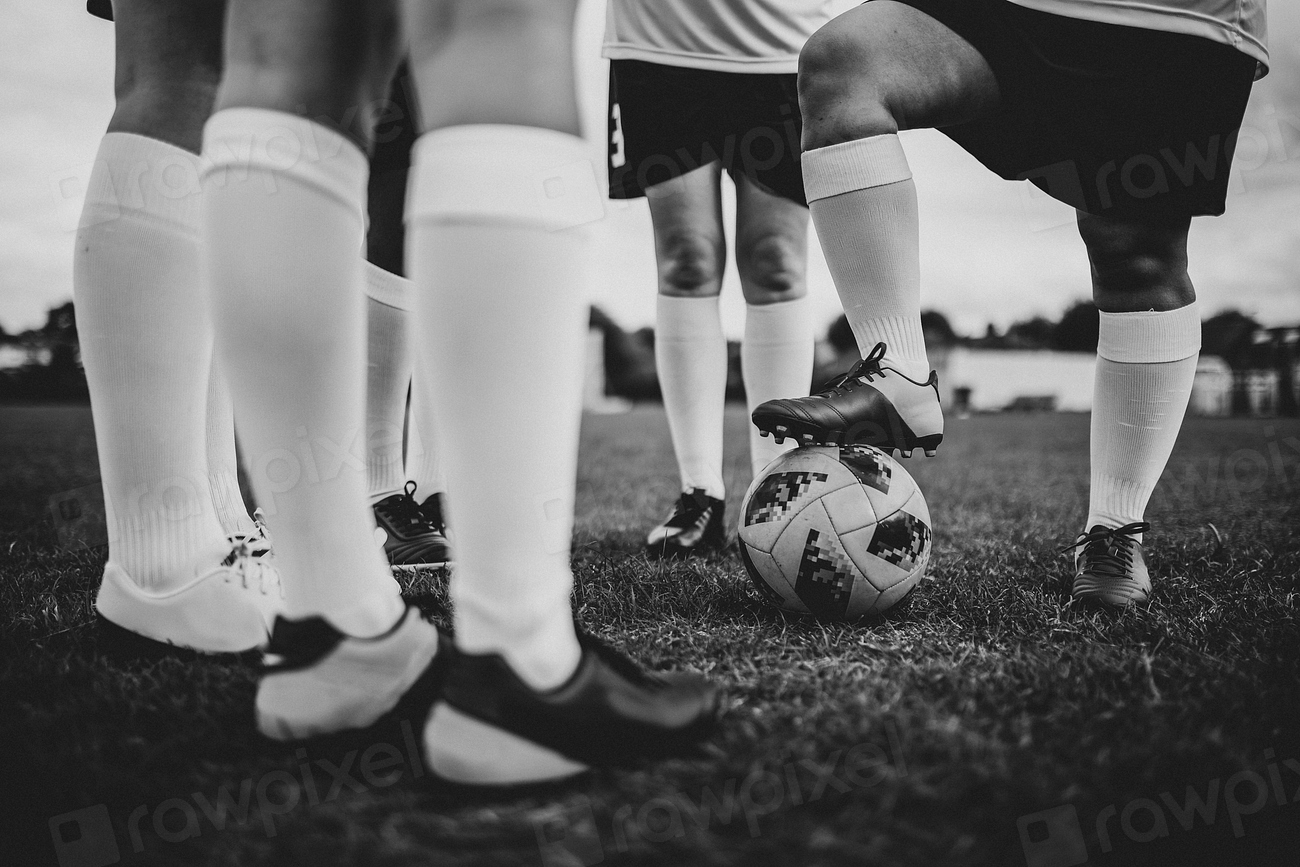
811,435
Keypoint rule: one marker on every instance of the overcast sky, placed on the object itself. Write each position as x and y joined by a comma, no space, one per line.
992,251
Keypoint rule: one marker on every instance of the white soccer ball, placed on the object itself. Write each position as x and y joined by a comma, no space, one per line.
835,531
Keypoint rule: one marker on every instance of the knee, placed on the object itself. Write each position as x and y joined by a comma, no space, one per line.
771,269
840,94
689,265
1137,265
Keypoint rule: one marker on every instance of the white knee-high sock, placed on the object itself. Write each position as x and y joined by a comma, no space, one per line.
691,359
223,465
502,264
388,378
424,464
1145,366
776,358
282,226
146,343
863,203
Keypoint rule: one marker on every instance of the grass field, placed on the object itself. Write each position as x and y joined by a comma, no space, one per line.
987,722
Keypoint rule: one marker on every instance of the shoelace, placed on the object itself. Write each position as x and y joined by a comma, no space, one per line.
1109,552
252,570
259,520
867,368
691,505
258,541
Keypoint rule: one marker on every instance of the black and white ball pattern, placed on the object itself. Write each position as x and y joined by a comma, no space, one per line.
835,531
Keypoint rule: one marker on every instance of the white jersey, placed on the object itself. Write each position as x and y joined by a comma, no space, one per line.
723,35
1239,23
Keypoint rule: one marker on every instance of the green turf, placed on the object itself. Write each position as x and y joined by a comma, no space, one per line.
918,740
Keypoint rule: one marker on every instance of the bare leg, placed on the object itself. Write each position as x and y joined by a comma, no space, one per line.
885,66
495,62
691,354
869,73
497,281
777,350
283,221
690,350
167,69
501,261
1149,343
146,341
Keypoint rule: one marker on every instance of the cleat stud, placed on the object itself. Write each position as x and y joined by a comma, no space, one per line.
780,440
907,453
929,453
763,433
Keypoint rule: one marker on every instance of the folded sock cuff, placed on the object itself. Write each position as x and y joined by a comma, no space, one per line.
779,323
502,172
854,165
687,318
386,287
142,175
1150,337
238,142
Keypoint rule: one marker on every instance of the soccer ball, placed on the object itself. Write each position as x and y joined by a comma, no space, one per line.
835,531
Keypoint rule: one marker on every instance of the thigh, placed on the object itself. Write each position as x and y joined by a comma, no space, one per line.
686,212
167,66
494,62
771,235
328,60
893,66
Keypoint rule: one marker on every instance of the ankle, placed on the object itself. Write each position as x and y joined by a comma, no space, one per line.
544,655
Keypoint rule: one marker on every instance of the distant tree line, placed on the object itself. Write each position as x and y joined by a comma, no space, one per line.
1229,335
44,364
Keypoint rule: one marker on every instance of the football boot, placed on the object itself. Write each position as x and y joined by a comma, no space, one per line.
488,727
411,538
435,513
873,404
229,608
258,540
1109,567
696,525
316,680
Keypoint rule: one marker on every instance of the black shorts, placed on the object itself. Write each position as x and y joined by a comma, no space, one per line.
1109,119
665,121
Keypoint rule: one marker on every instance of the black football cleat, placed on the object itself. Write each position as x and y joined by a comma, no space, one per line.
318,681
490,728
434,512
411,538
697,525
1109,568
873,404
